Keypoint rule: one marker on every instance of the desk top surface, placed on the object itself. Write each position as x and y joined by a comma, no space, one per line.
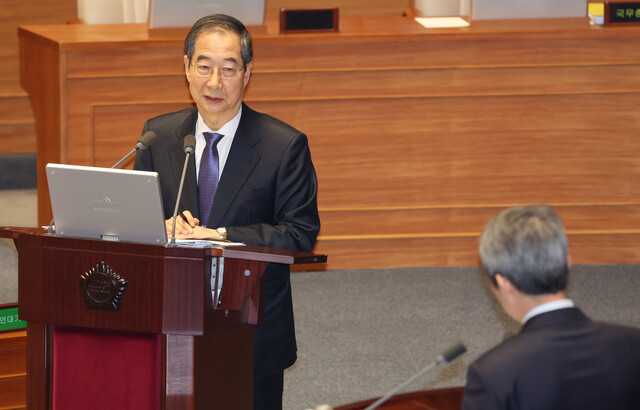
79,36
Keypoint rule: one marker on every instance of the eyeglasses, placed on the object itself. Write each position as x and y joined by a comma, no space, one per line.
206,70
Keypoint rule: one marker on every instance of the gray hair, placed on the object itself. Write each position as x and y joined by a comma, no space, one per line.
217,23
528,246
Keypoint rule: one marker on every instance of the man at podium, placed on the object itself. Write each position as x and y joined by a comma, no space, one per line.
252,181
560,359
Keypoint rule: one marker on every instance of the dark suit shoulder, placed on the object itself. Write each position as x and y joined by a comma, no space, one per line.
562,331
619,336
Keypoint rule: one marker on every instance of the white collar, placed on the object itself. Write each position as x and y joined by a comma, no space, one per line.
228,129
548,307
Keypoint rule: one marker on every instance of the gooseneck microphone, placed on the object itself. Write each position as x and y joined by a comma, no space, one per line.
143,143
447,356
189,148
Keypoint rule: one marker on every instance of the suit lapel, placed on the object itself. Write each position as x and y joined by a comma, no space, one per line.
555,318
189,198
241,161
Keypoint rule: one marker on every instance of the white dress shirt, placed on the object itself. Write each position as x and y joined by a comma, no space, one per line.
224,145
548,307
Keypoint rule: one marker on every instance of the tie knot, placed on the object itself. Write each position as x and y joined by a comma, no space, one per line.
212,138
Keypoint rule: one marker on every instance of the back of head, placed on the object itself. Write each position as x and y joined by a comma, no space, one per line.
528,246
218,23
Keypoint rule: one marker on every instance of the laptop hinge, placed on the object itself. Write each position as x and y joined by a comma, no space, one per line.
108,237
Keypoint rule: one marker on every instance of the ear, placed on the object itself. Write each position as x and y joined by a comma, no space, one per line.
507,289
503,283
187,72
247,73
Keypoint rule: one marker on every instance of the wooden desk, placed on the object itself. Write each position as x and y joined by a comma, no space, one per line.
440,399
418,136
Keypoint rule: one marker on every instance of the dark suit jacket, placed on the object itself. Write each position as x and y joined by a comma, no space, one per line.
559,360
266,197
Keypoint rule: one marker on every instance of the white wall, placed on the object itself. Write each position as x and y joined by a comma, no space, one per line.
429,8
113,11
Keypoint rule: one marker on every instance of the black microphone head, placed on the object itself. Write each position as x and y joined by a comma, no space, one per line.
453,352
146,140
189,144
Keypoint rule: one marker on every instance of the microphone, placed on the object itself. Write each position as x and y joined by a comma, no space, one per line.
447,356
143,143
189,148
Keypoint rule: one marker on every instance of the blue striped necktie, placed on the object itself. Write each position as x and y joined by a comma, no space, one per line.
208,176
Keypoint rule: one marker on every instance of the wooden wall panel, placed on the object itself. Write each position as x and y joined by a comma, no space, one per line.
13,370
117,126
436,221
461,250
17,129
464,150
418,137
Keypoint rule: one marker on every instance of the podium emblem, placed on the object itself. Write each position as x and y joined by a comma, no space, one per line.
102,288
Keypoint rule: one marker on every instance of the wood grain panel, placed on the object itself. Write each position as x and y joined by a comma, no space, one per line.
17,130
456,220
467,150
13,392
418,81
118,126
17,138
442,82
13,370
115,112
418,47
13,353
462,250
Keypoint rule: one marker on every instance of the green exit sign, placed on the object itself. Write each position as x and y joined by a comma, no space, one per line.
9,319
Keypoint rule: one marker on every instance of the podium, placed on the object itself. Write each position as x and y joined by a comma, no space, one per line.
114,325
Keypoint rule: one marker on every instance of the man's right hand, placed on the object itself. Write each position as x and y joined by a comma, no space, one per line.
185,222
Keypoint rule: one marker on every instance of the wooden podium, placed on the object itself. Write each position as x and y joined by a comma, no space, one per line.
125,325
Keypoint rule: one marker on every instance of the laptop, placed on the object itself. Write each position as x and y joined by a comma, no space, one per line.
527,9
104,203
172,13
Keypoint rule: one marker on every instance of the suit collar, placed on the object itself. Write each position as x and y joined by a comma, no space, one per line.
188,126
556,317
242,159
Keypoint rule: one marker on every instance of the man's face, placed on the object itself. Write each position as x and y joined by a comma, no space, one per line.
218,98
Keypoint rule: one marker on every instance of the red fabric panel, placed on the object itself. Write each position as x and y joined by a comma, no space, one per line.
106,370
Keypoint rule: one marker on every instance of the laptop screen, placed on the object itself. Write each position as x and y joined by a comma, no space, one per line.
105,203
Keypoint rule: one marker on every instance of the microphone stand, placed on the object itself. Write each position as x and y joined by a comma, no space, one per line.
123,159
143,143
450,354
189,148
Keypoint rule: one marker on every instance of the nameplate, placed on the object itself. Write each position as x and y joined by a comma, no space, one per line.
9,319
621,13
308,20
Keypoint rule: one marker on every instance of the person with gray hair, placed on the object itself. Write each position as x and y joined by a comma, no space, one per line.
560,359
252,181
